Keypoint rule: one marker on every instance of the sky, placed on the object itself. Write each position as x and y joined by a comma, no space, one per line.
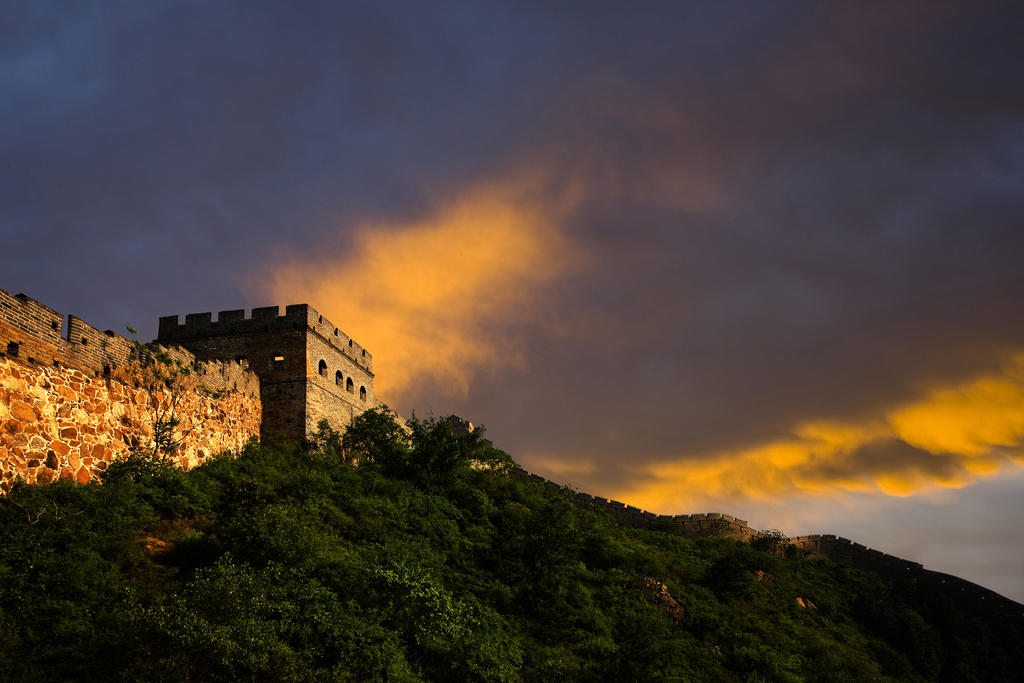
760,258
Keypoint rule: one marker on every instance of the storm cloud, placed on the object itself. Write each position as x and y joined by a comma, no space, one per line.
762,257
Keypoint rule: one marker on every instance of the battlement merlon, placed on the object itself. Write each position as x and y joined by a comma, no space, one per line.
266,319
31,316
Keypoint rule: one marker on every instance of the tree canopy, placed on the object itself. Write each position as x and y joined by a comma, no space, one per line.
395,553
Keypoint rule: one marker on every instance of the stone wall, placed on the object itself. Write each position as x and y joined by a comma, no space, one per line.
60,422
324,373
338,388
282,383
692,526
970,597
30,334
69,406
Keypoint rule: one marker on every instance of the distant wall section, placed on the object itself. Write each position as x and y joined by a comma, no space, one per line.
692,526
970,597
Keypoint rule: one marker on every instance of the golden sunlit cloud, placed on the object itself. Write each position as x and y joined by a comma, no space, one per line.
967,420
426,297
948,438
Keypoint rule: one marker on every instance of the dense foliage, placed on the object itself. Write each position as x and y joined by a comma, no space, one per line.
391,556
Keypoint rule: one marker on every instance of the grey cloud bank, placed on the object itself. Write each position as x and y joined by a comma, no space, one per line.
796,211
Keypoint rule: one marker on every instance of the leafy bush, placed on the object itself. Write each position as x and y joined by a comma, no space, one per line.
394,554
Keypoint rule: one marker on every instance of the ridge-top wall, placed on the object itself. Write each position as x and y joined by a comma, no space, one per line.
68,407
692,526
970,597
30,332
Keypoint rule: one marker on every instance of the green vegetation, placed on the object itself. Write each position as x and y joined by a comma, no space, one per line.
388,556
166,381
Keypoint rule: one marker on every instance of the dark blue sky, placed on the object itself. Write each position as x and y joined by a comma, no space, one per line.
757,256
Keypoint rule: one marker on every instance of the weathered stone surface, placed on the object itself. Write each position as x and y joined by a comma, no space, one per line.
70,384
76,431
308,369
23,412
664,599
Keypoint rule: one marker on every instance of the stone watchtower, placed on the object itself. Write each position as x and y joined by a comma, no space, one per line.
308,368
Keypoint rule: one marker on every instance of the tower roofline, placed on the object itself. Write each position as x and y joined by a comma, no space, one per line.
262,321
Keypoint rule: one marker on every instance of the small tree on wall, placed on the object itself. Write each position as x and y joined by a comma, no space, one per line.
166,380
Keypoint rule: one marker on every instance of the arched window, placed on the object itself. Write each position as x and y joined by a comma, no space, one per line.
338,378
323,369
278,363
362,393
348,385
350,343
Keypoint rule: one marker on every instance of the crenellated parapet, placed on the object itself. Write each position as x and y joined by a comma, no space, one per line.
198,326
31,334
308,368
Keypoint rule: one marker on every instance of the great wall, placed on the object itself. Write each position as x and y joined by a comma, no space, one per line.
68,409
970,597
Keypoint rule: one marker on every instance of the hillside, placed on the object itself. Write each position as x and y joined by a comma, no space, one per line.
427,562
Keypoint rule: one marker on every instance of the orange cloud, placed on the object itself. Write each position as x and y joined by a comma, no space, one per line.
436,298
947,438
970,419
